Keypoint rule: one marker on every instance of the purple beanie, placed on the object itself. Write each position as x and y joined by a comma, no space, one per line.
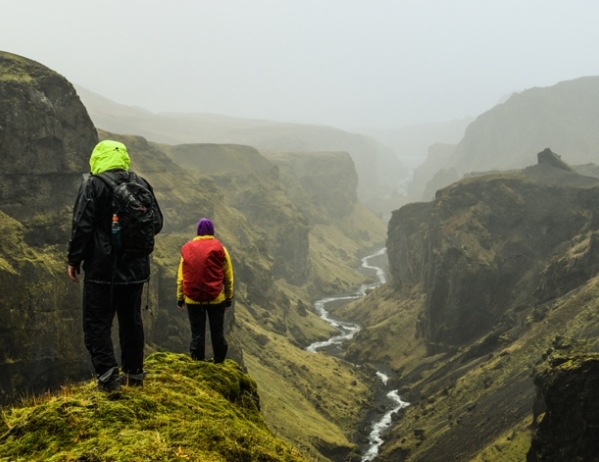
205,227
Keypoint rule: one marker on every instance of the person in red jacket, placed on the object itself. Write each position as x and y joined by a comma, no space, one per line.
205,286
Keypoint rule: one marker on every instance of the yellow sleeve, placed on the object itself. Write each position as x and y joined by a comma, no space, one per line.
180,295
229,278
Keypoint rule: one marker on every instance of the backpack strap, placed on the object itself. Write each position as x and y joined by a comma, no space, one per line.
106,180
109,180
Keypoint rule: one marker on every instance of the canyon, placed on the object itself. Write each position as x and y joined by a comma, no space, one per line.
488,317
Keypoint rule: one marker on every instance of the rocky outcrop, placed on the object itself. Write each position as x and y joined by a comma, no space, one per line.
547,156
569,388
483,245
45,140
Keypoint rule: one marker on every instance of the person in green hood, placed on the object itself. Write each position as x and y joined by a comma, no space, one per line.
114,280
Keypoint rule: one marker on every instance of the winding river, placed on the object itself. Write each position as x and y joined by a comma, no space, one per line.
346,332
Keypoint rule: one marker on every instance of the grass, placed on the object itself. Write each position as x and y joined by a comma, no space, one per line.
187,410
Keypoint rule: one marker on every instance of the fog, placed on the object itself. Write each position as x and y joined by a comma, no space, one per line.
344,63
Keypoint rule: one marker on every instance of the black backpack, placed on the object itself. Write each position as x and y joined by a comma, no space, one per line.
134,204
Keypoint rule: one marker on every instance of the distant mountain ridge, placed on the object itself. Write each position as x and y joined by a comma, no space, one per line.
379,168
564,116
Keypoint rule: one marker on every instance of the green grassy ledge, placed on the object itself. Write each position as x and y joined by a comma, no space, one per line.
186,410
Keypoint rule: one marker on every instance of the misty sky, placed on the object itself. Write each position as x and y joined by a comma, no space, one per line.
345,63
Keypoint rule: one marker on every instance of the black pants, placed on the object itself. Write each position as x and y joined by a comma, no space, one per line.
197,321
98,314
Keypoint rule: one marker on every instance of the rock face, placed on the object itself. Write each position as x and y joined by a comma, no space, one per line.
45,140
482,245
569,388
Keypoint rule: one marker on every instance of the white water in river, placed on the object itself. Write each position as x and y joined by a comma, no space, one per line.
346,331
379,427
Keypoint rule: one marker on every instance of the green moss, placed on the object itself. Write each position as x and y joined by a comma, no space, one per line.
187,410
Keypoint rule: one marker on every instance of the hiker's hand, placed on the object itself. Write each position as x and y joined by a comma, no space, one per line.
74,272
228,304
181,305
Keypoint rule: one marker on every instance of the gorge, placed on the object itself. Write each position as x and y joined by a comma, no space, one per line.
489,316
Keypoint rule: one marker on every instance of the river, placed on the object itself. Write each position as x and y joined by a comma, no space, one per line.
347,330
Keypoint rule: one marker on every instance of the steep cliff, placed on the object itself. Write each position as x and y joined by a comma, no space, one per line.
482,244
494,276
45,135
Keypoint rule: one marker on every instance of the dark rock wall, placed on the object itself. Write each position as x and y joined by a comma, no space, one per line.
567,431
45,140
483,244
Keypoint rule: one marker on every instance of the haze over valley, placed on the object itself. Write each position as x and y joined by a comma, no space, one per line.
409,195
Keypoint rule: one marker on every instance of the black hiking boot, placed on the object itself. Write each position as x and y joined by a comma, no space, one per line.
110,381
135,380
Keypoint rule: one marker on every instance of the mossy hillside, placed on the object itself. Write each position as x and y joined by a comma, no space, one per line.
467,401
40,312
390,333
312,399
186,411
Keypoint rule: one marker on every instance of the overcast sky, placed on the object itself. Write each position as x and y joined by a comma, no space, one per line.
345,63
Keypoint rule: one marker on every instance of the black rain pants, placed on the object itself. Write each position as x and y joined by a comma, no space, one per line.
197,320
98,315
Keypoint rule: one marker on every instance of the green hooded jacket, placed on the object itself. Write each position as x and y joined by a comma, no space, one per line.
109,155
